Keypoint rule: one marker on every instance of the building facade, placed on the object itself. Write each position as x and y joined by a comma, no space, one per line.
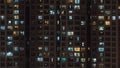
12,31
58,34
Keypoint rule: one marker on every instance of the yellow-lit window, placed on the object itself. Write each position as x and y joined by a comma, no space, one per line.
15,32
118,7
9,1
77,49
16,6
107,22
70,1
46,22
16,27
39,48
101,17
16,17
94,23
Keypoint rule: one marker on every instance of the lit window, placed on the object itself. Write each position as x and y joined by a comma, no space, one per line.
77,1
39,48
16,6
52,12
70,54
76,6
113,17
2,27
70,11
16,22
82,49
77,38
10,27
22,32
63,59
101,28
16,27
9,43
9,1
9,54
63,27
16,17
9,22
94,60
77,49
10,38
101,6
70,33
46,37
70,48
39,17
107,12
40,59
21,22
2,53
101,54
2,17
46,48
70,1
83,59
101,17
15,1
70,17
119,17
58,38
83,44
100,49
16,11
82,22
15,32
77,59
107,22
94,65
16,48
118,7
101,43
77,54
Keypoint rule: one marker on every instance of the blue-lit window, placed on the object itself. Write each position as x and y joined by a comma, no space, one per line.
2,27
77,1
9,43
15,1
40,59
70,48
9,54
39,17
10,38
52,12
46,48
101,28
101,49
58,38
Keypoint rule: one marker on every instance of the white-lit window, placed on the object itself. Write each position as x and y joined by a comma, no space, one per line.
9,54
101,49
39,48
22,32
82,22
77,54
107,12
94,60
46,37
10,38
101,17
70,17
70,11
83,59
2,17
101,43
9,22
70,48
21,22
16,48
10,27
2,27
101,6
76,6
77,1
52,12
40,59
58,38
40,18
70,33
9,43
101,28
113,17
77,38
16,11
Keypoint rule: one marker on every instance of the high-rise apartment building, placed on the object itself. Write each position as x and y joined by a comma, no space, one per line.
104,33
59,33
12,31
